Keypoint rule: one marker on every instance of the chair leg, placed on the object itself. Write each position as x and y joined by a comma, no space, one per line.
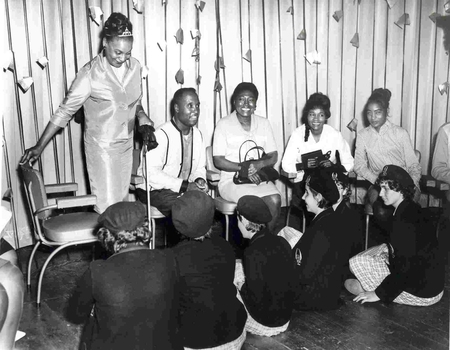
30,261
153,240
227,225
288,215
304,221
367,230
41,275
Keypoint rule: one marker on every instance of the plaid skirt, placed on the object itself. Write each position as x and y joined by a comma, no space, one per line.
370,268
254,327
233,345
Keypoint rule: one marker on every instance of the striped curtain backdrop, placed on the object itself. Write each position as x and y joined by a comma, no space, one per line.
360,45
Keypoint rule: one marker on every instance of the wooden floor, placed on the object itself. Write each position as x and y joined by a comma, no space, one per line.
352,326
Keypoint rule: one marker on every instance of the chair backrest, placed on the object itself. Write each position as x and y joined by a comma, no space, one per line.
209,160
35,190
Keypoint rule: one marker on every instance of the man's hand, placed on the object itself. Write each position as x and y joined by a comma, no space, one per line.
192,186
201,184
148,136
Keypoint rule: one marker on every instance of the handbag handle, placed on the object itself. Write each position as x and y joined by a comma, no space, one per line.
259,148
254,147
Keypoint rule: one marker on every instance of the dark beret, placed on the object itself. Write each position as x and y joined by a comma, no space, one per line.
123,216
193,213
254,209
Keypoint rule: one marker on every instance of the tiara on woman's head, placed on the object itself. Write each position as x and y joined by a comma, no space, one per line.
125,33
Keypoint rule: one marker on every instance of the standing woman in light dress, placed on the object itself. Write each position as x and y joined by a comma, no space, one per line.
109,87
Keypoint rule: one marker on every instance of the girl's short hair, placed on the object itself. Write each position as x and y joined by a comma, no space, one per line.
323,203
407,192
113,242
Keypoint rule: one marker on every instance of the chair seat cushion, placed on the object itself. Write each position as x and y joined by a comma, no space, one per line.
224,206
155,213
71,227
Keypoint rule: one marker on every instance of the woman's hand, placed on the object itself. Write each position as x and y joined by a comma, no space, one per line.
254,167
30,155
255,179
366,297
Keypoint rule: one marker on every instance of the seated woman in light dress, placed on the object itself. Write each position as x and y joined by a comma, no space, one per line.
243,128
380,144
314,135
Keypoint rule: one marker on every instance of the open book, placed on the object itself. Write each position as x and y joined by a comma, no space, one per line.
291,235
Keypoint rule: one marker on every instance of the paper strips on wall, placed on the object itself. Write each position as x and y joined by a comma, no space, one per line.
248,56
391,3
138,5
434,16
337,15
145,71
217,86
96,14
403,21
162,44
302,35
313,57
179,77
355,40
179,36
200,5
443,88
195,52
221,64
199,80
195,33
42,62
353,124
8,61
25,83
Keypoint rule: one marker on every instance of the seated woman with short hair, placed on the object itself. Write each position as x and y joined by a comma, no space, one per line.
408,268
234,135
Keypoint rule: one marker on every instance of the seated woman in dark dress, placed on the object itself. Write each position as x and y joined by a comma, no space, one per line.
408,268
133,292
321,252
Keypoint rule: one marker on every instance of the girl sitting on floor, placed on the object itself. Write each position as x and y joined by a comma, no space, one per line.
321,252
408,268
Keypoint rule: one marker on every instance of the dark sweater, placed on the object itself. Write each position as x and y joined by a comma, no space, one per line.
416,265
269,274
210,313
135,298
323,253
350,227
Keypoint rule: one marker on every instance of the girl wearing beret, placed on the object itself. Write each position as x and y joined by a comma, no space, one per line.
320,254
408,268
134,292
